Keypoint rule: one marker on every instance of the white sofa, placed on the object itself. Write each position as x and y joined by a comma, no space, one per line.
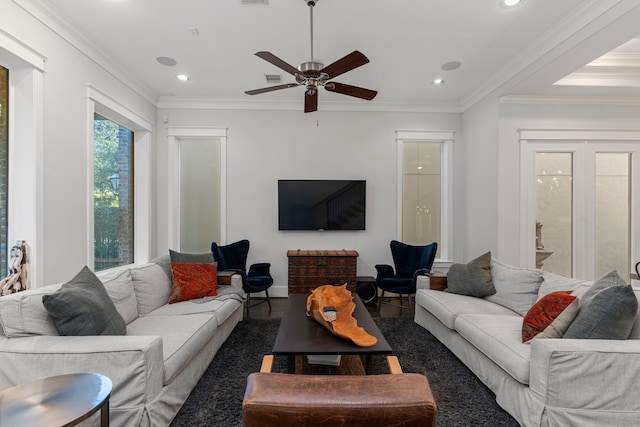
547,382
154,367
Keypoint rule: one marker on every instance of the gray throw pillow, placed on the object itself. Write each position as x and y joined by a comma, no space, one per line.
607,311
472,279
82,307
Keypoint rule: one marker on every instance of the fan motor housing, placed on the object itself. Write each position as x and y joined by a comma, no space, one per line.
310,68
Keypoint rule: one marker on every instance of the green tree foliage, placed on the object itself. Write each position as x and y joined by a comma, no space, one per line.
106,134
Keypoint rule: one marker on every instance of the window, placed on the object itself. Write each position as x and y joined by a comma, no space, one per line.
199,194
554,212
421,201
134,207
197,187
424,190
113,194
22,113
4,168
581,201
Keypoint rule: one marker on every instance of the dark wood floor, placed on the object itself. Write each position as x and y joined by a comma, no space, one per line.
278,306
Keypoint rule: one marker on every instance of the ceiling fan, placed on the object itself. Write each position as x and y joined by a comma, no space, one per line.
314,74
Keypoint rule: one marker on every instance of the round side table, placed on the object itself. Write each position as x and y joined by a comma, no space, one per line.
63,400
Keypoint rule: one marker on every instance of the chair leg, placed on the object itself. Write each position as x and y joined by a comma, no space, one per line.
266,291
380,300
410,305
248,303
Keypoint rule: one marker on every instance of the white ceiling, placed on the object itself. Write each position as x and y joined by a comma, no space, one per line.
520,51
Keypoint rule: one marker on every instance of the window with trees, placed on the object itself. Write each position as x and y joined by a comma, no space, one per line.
113,194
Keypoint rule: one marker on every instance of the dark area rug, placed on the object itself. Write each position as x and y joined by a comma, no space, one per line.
461,398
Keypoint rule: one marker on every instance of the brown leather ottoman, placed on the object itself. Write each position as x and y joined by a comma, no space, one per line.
273,399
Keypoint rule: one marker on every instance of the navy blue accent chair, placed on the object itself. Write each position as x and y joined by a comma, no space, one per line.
410,262
233,257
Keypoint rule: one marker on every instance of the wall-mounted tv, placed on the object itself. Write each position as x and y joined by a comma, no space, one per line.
321,204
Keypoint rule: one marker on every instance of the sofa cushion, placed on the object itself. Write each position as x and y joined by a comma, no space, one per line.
472,279
550,317
499,337
552,282
120,290
221,306
23,314
516,288
152,286
608,310
193,280
82,306
182,337
446,306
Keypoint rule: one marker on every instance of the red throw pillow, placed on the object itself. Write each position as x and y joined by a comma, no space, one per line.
550,317
193,280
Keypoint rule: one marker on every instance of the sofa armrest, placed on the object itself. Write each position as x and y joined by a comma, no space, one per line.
596,375
133,363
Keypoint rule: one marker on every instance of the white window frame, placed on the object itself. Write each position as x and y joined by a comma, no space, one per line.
174,135
102,104
583,144
26,177
445,138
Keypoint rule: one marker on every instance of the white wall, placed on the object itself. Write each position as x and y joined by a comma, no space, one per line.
477,173
67,73
264,146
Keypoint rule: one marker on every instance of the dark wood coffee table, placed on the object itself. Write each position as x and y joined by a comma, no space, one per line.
301,335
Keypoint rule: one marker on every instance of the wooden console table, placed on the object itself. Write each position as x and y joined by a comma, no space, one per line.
309,269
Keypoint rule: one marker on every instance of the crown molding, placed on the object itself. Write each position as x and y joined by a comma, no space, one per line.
210,103
569,100
557,41
59,25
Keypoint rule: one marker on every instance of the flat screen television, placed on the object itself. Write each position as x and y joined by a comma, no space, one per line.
321,204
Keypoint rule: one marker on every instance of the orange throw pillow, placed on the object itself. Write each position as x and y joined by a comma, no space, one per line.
193,280
550,317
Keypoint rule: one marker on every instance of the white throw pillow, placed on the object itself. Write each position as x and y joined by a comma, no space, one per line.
516,288
120,290
23,314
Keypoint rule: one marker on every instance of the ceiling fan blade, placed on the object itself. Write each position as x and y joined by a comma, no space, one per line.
310,102
347,63
270,89
358,92
270,57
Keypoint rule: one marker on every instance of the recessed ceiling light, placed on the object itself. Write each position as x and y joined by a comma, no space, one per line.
437,82
450,66
182,77
510,3
165,60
